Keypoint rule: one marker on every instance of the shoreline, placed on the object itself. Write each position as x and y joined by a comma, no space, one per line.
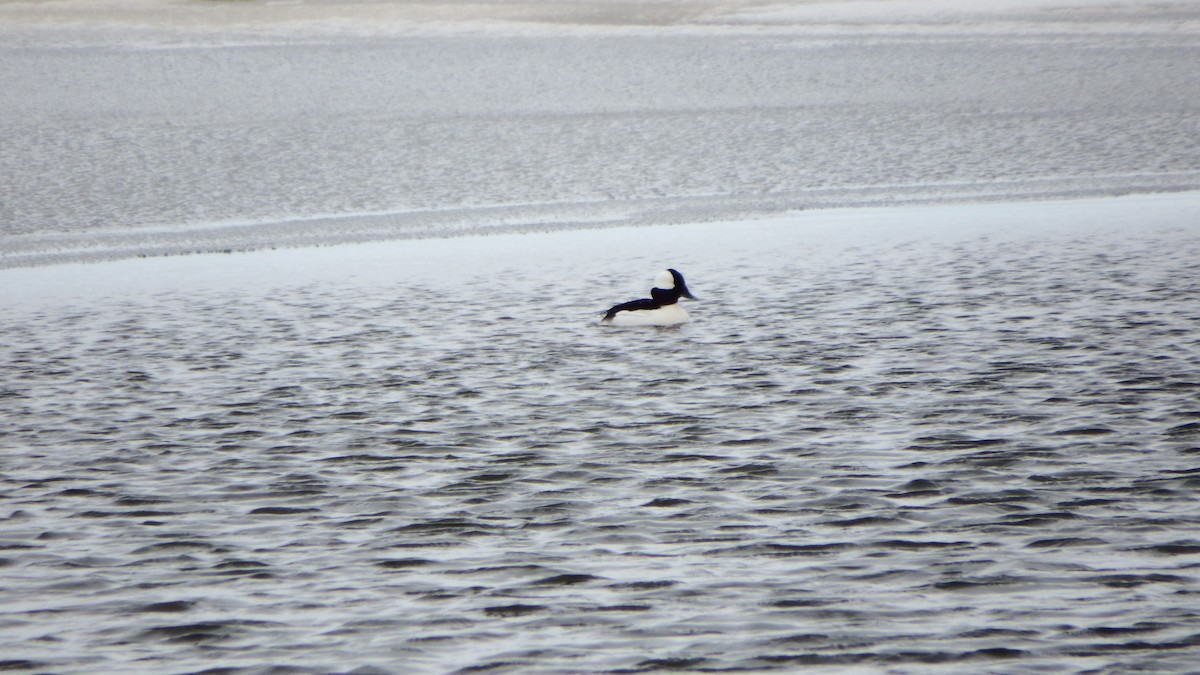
318,231
500,253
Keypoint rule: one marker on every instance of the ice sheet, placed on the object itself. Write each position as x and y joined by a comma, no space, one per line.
279,129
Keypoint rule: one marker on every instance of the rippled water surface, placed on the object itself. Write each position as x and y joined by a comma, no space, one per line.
959,439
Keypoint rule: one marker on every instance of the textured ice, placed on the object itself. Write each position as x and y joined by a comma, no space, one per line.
279,128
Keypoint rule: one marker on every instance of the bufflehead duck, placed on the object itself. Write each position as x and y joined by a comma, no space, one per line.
660,309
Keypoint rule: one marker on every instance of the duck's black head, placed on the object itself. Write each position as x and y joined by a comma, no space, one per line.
680,285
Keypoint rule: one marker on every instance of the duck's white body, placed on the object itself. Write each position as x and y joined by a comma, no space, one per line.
669,315
660,309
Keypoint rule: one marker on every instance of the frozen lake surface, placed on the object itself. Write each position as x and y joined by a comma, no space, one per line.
125,140
917,439
938,410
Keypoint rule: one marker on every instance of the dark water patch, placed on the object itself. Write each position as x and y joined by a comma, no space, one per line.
936,657
204,632
183,561
622,608
239,564
985,633
25,664
1184,430
1013,496
1136,580
991,459
195,633
492,666
802,639
782,550
511,611
141,501
915,494
1082,503
911,545
804,603
523,459
1036,519
59,535
669,664
1075,477
986,583
842,659
403,563
358,458
1183,547
1112,631
81,492
1101,649
1067,542
1084,431
524,568
918,485
566,580
685,458
491,477
168,607
281,510
864,521
644,585
750,470
667,502
182,544
746,442
134,513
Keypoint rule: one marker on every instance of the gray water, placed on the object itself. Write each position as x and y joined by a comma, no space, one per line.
930,440
954,438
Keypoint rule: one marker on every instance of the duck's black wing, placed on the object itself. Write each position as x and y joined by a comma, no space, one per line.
644,303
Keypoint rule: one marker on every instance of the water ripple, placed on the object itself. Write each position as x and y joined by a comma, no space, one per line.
973,453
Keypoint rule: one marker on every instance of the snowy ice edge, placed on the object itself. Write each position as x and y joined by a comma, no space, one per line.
32,250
